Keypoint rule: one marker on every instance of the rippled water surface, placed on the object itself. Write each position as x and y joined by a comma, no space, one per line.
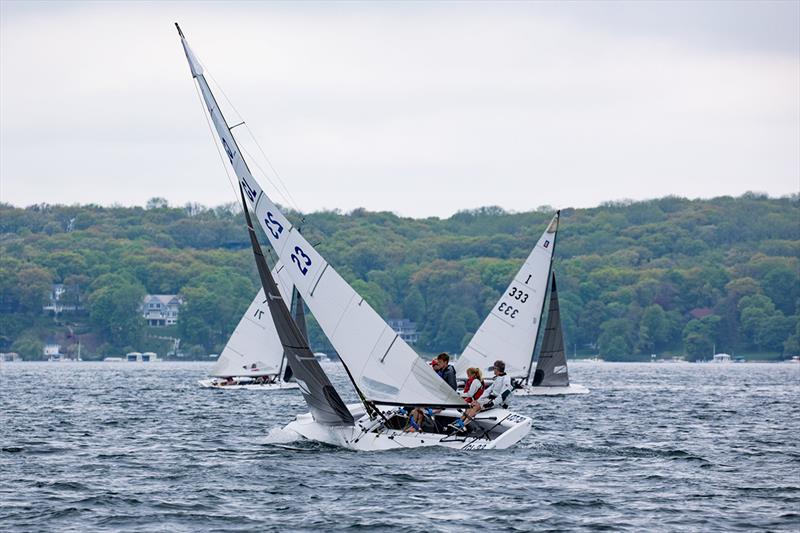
140,447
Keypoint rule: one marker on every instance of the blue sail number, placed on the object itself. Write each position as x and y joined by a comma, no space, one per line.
303,263
274,227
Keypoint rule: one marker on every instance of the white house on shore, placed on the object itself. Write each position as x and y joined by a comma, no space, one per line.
161,309
406,329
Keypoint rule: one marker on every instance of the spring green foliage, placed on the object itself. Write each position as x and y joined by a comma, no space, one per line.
663,276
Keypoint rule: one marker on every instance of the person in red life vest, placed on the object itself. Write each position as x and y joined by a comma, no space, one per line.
474,386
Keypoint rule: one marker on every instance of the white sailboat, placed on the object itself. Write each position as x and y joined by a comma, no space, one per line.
253,358
511,329
384,370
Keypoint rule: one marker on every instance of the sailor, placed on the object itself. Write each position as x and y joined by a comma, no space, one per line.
495,396
441,364
445,370
474,387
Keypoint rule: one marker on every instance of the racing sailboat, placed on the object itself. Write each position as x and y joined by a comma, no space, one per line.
253,357
385,372
511,329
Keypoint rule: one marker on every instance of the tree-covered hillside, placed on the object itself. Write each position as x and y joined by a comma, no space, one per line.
663,276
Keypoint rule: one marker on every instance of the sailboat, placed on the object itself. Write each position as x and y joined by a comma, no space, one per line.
386,373
511,329
551,377
253,357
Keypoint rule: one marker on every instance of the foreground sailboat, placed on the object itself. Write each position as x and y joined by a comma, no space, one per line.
511,329
385,372
253,358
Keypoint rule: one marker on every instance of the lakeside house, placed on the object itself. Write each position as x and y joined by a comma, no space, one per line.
10,357
56,303
161,309
406,329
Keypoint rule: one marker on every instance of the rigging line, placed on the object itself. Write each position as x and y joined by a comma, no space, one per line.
290,199
253,160
214,140
206,71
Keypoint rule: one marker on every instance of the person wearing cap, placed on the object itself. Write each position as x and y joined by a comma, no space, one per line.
496,395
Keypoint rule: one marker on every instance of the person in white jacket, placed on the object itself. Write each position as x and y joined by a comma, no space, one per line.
496,395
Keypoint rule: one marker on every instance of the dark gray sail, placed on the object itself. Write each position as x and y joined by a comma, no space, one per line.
323,401
299,316
551,370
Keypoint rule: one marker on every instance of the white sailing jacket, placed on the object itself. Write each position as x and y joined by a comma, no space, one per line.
494,393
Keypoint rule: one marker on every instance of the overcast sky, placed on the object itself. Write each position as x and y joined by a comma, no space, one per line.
417,108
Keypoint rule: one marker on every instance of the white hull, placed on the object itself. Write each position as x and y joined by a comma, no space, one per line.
551,391
214,384
504,428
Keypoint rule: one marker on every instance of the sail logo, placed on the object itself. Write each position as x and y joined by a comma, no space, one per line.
303,387
228,150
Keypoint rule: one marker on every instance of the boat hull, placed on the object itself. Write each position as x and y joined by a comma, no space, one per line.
367,435
213,384
551,391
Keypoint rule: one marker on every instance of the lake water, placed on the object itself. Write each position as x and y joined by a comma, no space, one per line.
140,447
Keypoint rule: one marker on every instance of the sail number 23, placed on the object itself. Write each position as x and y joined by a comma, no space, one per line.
302,261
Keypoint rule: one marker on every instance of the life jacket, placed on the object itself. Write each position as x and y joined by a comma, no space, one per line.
479,392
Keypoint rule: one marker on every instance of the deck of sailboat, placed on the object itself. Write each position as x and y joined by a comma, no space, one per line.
493,429
572,388
280,385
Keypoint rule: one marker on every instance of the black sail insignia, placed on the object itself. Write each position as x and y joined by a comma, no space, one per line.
551,370
324,402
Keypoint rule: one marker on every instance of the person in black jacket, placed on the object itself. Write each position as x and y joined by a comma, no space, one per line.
445,370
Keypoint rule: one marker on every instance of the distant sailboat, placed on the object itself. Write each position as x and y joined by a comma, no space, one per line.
511,329
385,372
253,357
551,377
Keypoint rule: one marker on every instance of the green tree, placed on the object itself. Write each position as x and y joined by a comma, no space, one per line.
698,338
29,347
653,329
615,342
115,308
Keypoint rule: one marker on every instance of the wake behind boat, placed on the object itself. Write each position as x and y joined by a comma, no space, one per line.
385,372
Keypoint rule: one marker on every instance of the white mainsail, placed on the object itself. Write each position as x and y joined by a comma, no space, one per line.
254,348
509,331
381,364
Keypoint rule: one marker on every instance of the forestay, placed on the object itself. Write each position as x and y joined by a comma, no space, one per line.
253,348
382,365
551,369
509,331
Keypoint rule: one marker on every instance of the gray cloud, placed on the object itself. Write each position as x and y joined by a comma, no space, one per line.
421,109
